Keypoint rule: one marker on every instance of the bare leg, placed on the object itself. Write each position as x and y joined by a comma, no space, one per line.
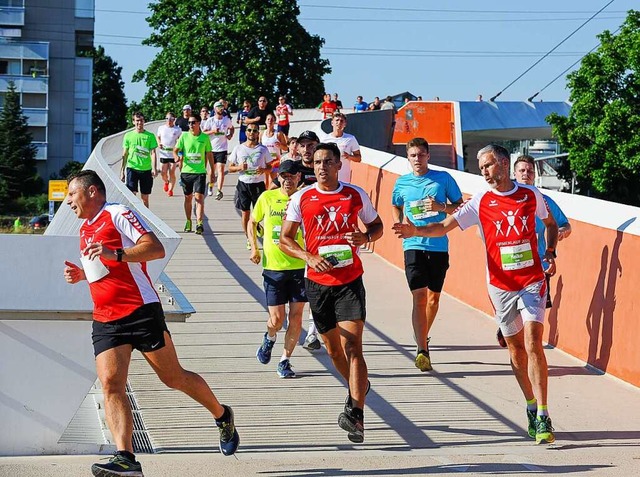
520,363
172,176
145,199
419,317
351,339
112,367
335,350
188,206
245,214
199,206
295,327
538,370
166,365
220,173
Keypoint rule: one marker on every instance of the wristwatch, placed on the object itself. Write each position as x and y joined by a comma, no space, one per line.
552,251
119,254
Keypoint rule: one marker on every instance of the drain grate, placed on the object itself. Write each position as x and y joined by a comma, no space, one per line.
141,440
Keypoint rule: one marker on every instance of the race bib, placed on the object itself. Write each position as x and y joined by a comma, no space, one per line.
418,209
193,158
282,117
275,234
516,257
338,255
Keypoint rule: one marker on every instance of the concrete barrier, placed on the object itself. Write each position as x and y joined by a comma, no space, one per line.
594,293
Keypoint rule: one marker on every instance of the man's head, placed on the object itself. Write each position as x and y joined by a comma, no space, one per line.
326,164
246,105
524,170
270,121
87,194
326,97
388,99
292,142
170,118
338,122
194,123
282,100
186,110
138,121
218,108
204,112
335,96
307,142
376,100
493,161
252,132
289,175
262,102
418,155
359,99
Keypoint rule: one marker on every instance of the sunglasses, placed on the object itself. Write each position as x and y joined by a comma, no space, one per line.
191,123
170,118
252,130
262,101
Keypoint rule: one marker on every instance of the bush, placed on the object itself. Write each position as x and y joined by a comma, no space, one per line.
34,205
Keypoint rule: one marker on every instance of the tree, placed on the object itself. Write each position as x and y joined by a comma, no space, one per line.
601,132
226,48
109,115
18,172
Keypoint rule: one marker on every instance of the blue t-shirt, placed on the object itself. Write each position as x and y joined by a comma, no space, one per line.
561,220
409,192
359,107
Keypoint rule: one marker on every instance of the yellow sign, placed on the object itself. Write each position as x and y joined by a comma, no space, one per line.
57,190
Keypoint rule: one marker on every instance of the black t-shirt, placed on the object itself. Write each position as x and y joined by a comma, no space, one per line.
183,123
307,175
338,104
256,112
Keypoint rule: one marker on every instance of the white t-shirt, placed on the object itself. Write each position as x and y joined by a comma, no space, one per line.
258,157
168,138
346,143
219,141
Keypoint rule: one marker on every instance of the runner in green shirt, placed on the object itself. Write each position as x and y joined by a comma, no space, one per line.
196,153
283,274
139,162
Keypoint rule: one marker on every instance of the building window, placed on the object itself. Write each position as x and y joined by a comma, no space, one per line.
34,68
82,86
81,139
84,42
33,100
9,67
85,9
39,134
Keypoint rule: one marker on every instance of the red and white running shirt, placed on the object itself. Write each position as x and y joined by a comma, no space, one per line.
127,286
325,218
507,221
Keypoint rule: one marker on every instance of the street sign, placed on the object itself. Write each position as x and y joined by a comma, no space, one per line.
57,190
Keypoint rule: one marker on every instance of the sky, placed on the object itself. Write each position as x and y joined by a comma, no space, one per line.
453,50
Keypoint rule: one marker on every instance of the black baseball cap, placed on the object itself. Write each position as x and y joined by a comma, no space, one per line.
310,135
288,167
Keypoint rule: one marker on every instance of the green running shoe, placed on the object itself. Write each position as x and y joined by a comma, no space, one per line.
423,361
544,431
533,423
118,465
187,226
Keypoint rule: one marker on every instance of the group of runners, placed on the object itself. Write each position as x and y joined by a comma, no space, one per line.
309,219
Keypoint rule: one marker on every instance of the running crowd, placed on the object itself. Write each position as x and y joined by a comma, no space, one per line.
296,194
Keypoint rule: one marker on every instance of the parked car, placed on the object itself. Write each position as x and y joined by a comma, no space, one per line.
39,222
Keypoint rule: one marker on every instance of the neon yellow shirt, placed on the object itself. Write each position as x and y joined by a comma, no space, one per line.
271,207
139,147
195,150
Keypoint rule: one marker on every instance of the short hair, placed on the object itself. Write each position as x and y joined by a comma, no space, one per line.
137,115
525,158
418,142
169,113
292,139
498,152
87,178
340,115
388,98
270,114
195,116
329,146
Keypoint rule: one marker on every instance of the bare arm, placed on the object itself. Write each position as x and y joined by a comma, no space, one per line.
147,248
154,162
253,241
437,229
397,212
355,157
564,231
289,246
374,231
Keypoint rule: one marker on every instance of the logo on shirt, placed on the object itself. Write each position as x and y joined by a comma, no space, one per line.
512,223
524,199
333,220
346,198
134,221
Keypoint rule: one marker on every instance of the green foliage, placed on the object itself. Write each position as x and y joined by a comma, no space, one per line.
18,173
601,132
109,111
70,168
33,205
226,48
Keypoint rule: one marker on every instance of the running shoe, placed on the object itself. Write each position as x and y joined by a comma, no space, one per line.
166,186
284,369
199,228
532,418
544,431
229,438
348,403
312,343
118,465
219,195
170,193
500,337
210,190
353,425
259,230
264,351
423,361
187,226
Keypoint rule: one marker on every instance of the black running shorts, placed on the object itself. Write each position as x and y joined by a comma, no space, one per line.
144,178
332,304
425,269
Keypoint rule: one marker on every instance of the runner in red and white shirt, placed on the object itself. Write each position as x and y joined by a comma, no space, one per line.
506,215
115,245
328,212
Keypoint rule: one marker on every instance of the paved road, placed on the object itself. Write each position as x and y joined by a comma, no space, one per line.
464,418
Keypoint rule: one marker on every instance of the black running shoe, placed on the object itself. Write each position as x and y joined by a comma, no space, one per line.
229,438
353,425
118,466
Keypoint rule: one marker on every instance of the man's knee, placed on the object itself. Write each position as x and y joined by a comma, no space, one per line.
174,379
433,300
420,296
113,382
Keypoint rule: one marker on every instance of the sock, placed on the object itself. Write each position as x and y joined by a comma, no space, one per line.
312,326
128,455
542,410
271,338
357,413
284,357
224,417
532,405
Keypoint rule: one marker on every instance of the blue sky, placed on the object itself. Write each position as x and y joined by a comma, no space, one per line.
453,50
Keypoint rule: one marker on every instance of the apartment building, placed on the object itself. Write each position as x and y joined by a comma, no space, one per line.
41,43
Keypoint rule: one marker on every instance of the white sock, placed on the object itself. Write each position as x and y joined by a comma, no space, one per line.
284,357
271,338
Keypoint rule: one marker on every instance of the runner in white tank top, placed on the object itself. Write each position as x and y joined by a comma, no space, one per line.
275,142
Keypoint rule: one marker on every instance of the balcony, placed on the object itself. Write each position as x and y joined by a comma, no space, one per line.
25,84
41,154
11,17
36,116
25,50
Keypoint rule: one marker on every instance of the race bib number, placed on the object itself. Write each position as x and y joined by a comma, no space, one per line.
194,158
516,257
418,209
338,255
